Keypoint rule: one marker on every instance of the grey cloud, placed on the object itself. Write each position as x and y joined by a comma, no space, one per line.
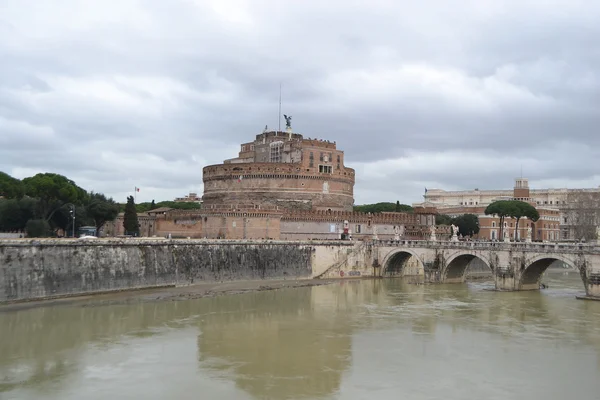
150,95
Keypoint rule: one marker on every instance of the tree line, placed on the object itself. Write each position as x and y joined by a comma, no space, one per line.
43,204
384,207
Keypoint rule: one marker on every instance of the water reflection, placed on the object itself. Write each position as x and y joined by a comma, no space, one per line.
343,340
279,344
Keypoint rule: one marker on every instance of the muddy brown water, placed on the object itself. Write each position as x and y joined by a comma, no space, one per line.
353,339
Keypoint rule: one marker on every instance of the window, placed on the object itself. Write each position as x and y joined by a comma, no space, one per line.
325,169
357,229
311,160
493,224
275,154
321,157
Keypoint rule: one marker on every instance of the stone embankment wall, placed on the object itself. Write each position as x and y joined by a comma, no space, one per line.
31,269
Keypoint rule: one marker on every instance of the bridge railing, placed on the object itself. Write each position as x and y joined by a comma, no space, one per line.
484,245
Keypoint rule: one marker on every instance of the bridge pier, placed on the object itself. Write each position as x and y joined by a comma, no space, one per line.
592,284
504,278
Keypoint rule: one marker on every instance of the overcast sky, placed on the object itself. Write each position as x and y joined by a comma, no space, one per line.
439,94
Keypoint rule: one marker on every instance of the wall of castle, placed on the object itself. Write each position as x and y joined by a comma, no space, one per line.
115,228
284,185
332,230
240,226
179,228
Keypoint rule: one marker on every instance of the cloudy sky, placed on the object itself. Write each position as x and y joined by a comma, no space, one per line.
450,94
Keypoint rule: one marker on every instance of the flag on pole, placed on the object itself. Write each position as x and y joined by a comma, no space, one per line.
137,189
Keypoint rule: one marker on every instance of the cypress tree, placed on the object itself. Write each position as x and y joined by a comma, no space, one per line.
130,219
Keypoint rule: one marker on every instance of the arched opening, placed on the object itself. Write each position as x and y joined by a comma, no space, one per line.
403,263
456,269
532,275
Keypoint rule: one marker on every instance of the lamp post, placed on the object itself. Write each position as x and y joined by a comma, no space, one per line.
72,211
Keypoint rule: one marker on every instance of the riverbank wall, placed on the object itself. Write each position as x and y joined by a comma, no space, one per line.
49,268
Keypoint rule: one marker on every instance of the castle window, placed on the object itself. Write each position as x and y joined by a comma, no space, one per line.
276,151
321,157
325,169
311,160
357,229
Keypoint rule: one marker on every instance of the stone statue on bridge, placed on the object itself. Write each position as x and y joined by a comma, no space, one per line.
396,233
432,237
528,238
454,233
375,232
506,235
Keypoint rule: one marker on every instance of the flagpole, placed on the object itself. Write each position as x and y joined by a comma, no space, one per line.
279,115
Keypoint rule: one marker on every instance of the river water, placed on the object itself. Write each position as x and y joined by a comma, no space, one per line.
371,339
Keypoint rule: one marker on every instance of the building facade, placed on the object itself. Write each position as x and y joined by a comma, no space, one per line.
577,210
190,198
545,229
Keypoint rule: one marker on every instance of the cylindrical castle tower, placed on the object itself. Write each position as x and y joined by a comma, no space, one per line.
284,170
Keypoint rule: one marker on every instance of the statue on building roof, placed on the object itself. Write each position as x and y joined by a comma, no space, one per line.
288,121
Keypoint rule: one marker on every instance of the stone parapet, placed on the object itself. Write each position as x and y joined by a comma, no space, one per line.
350,216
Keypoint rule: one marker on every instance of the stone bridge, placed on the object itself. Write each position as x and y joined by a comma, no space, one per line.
515,266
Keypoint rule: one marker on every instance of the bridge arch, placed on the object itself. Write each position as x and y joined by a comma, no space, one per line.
534,269
395,262
456,266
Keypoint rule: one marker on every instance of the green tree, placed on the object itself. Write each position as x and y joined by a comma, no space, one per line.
101,210
10,187
14,213
53,191
511,208
38,228
522,209
383,207
442,219
502,209
130,219
468,224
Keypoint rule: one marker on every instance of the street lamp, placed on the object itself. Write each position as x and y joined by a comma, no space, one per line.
72,212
